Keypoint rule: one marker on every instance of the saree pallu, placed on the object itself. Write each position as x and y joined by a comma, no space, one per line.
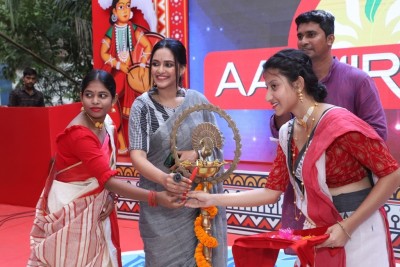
67,231
262,250
73,235
370,244
168,234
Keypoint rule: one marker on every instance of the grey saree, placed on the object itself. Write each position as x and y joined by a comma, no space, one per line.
168,234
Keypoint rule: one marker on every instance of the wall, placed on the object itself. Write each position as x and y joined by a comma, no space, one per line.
27,142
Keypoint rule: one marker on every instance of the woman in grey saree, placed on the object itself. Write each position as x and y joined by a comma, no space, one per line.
168,234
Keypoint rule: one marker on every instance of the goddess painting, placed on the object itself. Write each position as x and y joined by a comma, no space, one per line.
125,51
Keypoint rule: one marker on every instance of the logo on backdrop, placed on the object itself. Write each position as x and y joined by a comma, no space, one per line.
233,79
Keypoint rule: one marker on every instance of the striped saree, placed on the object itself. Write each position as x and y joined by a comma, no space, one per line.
66,230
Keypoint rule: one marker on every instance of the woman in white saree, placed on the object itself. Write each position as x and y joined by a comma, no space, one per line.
71,226
340,168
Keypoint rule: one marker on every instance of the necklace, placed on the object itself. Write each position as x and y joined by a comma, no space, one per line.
97,124
295,162
303,122
297,211
123,39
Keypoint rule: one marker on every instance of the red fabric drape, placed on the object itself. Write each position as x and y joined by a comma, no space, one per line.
262,249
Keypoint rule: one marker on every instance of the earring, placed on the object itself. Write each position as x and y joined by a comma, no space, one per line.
82,108
113,110
113,18
300,94
131,15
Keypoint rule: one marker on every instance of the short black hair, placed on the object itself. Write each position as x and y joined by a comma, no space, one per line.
325,20
29,71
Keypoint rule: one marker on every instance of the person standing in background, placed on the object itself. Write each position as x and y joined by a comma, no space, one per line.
27,95
347,87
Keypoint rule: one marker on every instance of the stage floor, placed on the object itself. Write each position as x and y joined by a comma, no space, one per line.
136,259
16,222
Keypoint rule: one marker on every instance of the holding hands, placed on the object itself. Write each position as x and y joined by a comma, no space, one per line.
177,184
168,200
199,199
177,188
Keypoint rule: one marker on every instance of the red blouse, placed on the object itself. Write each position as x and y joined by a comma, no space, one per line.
345,161
79,144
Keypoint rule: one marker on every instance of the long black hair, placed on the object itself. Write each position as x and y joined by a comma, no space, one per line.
293,63
102,76
177,49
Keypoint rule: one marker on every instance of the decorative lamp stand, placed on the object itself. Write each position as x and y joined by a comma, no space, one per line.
205,138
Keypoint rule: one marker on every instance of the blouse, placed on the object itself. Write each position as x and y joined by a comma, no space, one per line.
150,115
346,160
78,144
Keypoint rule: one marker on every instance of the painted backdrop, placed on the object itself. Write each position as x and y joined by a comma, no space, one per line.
229,42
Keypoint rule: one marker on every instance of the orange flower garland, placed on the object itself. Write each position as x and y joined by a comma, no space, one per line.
204,238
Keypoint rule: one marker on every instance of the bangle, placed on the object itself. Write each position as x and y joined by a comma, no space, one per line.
344,230
152,199
109,60
142,65
118,65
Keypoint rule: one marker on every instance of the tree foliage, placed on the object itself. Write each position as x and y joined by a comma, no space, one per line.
52,36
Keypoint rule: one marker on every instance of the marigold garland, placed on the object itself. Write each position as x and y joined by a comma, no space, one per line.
199,257
204,238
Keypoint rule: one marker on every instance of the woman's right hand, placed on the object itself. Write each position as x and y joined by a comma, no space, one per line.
177,188
168,200
199,199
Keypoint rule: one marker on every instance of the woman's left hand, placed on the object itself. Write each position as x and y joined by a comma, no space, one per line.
168,200
337,237
107,208
189,155
185,155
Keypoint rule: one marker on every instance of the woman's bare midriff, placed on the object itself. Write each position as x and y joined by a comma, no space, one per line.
349,188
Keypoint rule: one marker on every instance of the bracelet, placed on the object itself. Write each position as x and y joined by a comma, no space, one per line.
152,199
103,41
142,65
109,60
344,230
